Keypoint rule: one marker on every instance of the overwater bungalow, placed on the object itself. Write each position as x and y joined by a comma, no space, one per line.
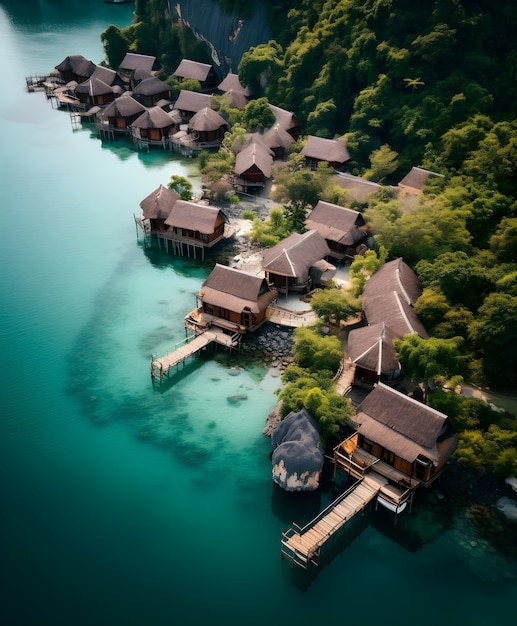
193,228
118,116
403,440
156,208
150,91
232,300
153,127
94,92
343,229
294,263
75,68
204,73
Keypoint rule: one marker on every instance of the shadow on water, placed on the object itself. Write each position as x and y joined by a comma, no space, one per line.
333,547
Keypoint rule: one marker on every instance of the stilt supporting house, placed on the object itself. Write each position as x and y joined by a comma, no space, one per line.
302,545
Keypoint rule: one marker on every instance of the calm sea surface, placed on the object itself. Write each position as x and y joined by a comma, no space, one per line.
124,505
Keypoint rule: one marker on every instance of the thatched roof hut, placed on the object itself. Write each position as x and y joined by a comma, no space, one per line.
231,82
372,351
190,102
318,149
297,457
191,216
389,296
278,139
342,228
159,204
75,67
234,290
404,426
415,180
151,90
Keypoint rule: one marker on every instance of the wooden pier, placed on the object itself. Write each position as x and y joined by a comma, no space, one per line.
161,367
302,545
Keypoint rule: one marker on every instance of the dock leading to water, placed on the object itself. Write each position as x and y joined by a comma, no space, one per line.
162,366
302,545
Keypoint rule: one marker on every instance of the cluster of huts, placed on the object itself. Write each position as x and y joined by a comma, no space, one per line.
394,435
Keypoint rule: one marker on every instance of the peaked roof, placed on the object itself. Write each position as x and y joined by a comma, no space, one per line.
125,106
192,101
336,223
389,296
159,203
94,87
236,99
151,87
296,254
207,119
193,69
77,64
417,178
232,83
255,154
331,150
134,61
108,76
278,137
194,216
286,119
360,188
372,348
155,117
235,290
405,426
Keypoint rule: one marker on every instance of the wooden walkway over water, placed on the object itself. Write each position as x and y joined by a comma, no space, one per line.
302,545
161,367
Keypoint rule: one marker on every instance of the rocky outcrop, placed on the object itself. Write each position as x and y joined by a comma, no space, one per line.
297,458
227,36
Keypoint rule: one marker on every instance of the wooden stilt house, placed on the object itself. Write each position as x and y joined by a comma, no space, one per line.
400,438
231,300
332,151
343,229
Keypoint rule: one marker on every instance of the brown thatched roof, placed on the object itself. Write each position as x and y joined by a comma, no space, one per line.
295,255
77,64
125,106
254,155
110,77
155,117
331,150
417,178
372,348
232,83
207,119
194,216
94,87
193,69
235,99
401,424
286,119
235,290
192,101
359,188
336,223
246,139
389,296
159,203
134,61
151,87
278,137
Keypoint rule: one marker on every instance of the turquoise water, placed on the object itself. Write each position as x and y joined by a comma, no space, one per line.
127,505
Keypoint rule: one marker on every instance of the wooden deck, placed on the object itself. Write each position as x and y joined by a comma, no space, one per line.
302,545
162,366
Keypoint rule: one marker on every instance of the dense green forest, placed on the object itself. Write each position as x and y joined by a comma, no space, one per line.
430,84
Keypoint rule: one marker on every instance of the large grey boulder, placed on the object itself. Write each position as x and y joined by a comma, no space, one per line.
297,457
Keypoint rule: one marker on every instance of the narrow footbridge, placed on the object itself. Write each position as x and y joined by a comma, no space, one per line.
302,545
